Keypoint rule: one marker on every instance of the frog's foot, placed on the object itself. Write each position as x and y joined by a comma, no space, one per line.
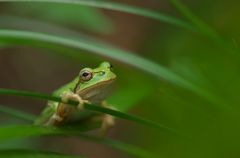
60,113
74,97
107,122
57,117
81,105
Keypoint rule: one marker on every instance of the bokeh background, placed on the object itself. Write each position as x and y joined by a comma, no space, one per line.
191,55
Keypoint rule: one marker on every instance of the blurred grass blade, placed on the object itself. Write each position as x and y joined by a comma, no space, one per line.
17,113
77,16
29,24
183,102
97,108
201,25
18,153
194,19
130,94
27,131
112,143
121,146
34,132
234,42
21,131
101,49
120,7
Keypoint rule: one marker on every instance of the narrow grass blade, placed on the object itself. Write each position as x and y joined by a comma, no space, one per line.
194,19
17,113
201,25
20,131
35,131
120,7
19,153
121,146
127,57
97,108
234,42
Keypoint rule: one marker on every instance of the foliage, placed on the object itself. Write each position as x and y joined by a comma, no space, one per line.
186,79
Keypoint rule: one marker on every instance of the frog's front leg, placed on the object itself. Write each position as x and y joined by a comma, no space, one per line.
61,113
71,95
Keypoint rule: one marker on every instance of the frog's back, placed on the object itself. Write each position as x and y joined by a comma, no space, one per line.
66,87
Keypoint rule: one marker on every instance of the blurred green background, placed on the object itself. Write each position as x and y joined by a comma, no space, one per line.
214,126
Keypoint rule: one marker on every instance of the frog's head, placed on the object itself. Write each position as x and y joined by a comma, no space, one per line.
94,78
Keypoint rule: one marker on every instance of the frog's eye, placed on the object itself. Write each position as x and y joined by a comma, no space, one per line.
86,75
111,67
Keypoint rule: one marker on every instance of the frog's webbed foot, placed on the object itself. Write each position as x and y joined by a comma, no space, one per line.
107,122
74,97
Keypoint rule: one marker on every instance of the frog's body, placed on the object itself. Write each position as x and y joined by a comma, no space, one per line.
92,86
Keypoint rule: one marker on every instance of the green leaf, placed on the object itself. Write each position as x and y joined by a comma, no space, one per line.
73,15
95,108
17,113
130,95
20,131
120,7
121,146
201,25
195,20
16,153
4,45
144,64
76,129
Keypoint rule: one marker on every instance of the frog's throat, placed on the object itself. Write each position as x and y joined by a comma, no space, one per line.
100,83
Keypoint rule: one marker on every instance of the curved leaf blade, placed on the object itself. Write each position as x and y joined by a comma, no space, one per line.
126,57
20,131
17,113
29,131
122,8
97,108
15,153
195,20
121,146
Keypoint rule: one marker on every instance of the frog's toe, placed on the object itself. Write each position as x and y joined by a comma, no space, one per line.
80,105
57,117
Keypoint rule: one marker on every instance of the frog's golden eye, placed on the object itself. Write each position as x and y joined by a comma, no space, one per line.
86,75
111,67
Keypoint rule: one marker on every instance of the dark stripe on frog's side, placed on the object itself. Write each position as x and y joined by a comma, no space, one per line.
77,87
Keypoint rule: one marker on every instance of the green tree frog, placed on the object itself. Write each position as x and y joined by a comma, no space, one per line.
91,86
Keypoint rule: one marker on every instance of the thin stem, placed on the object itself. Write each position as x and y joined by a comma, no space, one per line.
194,19
120,7
234,42
121,146
99,109
202,26
17,113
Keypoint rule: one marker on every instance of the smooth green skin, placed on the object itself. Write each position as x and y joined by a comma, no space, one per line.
93,83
